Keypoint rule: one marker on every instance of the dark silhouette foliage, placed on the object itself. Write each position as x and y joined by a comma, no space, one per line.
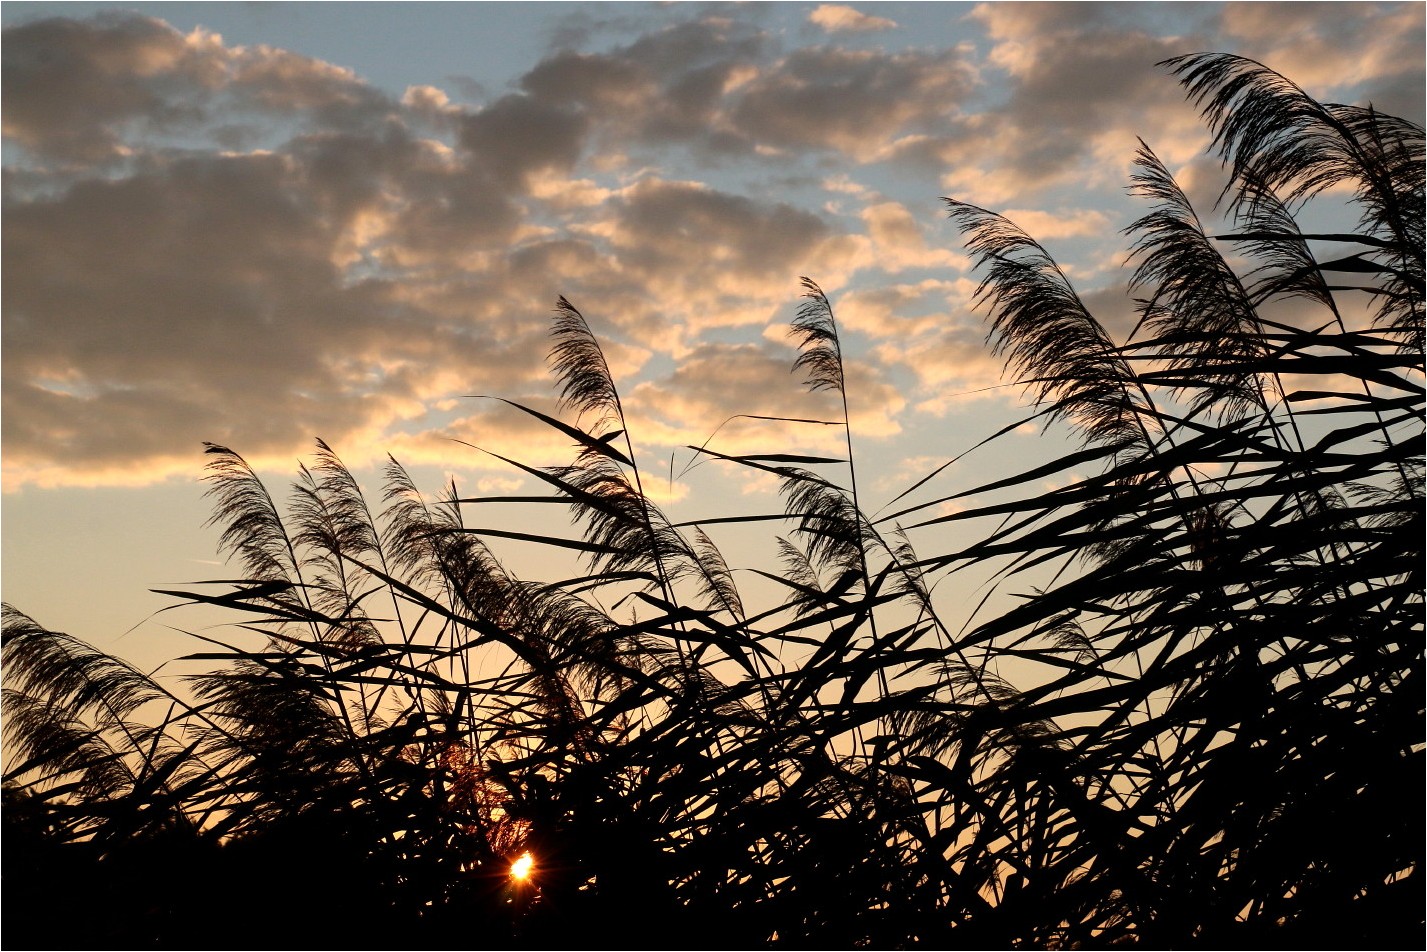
1198,722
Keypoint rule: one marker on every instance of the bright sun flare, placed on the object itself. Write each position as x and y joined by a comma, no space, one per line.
520,869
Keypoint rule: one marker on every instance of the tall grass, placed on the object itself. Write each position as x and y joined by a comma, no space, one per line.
1204,726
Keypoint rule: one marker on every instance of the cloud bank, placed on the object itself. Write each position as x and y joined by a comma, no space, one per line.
206,241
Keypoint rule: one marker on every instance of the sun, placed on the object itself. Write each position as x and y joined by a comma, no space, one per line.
521,867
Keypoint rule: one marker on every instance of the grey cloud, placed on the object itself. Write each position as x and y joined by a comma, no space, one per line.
203,299
1375,50
1048,17
667,86
1085,74
381,257
88,91
719,87
335,284
434,209
111,428
324,288
1401,95
697,237
695,44
1115,308
715,382
70,87
209,282
518,135
281,82
713,375
581,27
850,100
590,80
1095,75
1078,90
661,261
682,59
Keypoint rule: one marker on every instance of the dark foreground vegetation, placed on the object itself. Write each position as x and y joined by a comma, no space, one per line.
1195,718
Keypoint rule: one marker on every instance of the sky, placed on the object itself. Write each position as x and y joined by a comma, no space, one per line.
258,224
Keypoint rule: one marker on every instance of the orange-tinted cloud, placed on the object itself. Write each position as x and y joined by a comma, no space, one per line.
837,18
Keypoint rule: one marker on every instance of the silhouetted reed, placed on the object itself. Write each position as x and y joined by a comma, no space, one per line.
1202,723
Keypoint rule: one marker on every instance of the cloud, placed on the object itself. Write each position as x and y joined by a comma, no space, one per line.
518,136
475,428
1065,223
667,86
903,310
836,18
703,258
86,92
952,368
207,241
1084,83
285,83
1079,97
899,241
240,298
705,399
1376,48
71,87
858,102
701,401
714,86
664,228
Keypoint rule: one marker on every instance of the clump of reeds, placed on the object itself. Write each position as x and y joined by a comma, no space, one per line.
1203,725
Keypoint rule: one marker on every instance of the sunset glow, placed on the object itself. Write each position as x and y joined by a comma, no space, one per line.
520,869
